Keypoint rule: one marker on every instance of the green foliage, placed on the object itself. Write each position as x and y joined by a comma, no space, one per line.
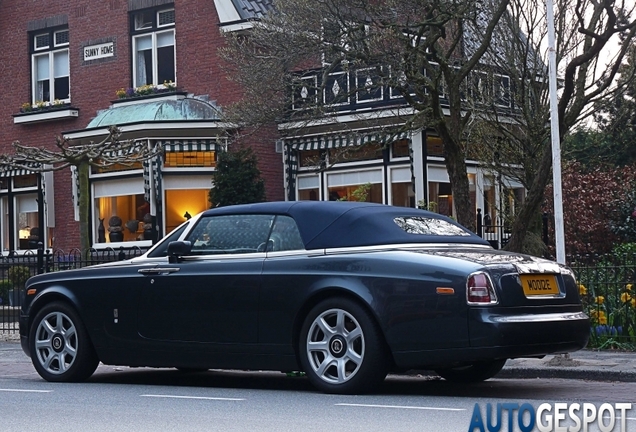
623,221
595,149
237,179
431,206
616,120
360,194
18,276
5,286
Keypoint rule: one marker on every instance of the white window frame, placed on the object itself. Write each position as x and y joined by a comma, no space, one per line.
51,51
154,31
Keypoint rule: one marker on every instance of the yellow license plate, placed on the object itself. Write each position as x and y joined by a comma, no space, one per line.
539,285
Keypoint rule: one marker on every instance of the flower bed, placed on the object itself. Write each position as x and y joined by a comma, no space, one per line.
607,286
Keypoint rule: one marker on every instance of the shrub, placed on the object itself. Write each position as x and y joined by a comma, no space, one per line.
18,276
597,206
237,179
5,286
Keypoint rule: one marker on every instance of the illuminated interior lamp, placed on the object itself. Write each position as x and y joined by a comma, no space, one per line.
187,215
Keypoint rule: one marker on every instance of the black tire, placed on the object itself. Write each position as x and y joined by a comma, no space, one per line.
61,350
475,372
344,358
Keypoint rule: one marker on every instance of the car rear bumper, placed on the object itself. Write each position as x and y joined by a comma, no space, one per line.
527,327
496,335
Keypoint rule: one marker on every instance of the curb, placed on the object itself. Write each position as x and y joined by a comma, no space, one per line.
567,373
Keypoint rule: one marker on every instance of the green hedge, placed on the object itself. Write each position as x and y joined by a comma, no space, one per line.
5,286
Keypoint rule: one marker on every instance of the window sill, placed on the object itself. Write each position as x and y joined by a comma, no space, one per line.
174,95
125,244
45,115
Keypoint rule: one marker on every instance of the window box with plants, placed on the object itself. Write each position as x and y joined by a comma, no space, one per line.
43,111
168,90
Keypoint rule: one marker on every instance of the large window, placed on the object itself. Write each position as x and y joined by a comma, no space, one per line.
119,209
365,185
50,67
153,46
182,204
19,210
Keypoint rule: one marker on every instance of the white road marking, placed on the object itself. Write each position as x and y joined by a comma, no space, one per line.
401,407
25,391
192,397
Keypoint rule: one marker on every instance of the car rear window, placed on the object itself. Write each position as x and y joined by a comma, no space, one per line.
429,226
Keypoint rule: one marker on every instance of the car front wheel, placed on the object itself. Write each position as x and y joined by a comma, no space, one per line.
475,372
341,348
60,347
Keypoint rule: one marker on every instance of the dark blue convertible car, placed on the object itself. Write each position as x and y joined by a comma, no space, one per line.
346,292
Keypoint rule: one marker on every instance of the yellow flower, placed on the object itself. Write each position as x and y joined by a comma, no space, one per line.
598,316
634,303
582,289
625,297
599,300
628,287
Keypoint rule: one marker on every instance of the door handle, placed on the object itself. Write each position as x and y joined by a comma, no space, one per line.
158,271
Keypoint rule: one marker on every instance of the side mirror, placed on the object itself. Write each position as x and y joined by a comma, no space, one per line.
178,249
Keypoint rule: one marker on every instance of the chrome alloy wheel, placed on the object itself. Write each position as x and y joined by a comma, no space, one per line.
335,346
56,343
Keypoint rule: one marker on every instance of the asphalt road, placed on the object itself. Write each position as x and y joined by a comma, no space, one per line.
125,399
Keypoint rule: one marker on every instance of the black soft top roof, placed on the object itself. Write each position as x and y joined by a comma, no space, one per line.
331,224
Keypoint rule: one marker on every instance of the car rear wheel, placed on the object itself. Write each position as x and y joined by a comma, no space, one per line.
341,348
60,347
475,372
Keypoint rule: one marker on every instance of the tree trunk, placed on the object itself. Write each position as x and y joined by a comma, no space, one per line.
532,203
449,131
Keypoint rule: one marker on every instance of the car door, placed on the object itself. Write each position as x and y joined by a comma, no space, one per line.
210,296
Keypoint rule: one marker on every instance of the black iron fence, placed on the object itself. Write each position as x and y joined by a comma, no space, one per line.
16,268
607,285
498,233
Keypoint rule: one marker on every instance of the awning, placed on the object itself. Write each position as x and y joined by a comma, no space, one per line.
335,141
13,171
194,145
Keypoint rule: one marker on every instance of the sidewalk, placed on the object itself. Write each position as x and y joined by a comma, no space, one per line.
584,364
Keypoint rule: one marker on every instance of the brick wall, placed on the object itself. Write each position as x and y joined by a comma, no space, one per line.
93,83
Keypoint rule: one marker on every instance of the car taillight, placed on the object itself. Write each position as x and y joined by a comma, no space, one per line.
479,289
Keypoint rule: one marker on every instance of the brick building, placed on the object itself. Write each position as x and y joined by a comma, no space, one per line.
64,62
151,68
